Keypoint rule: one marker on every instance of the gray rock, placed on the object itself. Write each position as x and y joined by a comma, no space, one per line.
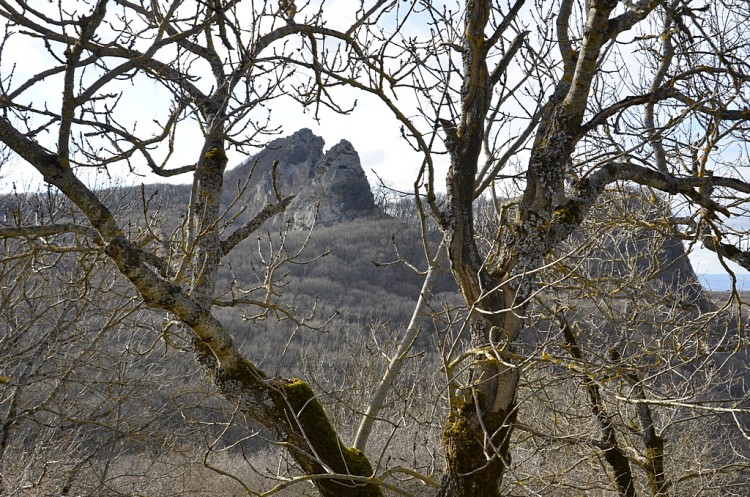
339,191
331,188
297,156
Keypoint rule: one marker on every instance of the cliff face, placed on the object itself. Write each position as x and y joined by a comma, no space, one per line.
330,188
339,191
297,155
639,248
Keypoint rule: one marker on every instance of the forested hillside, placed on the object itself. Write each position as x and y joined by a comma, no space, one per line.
134,415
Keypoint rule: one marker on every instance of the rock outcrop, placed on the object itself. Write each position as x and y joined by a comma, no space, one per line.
330,188
339,191
297,156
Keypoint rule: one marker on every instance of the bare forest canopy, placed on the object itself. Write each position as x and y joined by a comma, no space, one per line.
280,328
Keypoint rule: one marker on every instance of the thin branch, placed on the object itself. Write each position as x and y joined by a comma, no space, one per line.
254,224
49,230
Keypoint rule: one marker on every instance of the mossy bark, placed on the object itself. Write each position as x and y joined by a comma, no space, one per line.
654,466
477,451
291,410
313,440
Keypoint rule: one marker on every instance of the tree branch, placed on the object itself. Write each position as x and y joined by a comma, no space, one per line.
505,24
49,230
728,251
502,66
254,224
603,115
595,183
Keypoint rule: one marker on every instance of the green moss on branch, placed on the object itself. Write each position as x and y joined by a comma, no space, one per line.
311,425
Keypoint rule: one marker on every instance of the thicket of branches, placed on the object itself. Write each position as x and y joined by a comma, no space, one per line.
581,139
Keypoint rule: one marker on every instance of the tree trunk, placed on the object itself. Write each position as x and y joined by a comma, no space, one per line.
477,432
613,454
287,407
654,466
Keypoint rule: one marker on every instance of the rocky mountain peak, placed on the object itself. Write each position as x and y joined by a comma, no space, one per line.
339,190
331,187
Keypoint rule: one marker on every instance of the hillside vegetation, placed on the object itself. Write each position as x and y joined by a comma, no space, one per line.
339,298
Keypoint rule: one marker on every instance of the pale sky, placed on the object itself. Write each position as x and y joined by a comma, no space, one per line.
370,127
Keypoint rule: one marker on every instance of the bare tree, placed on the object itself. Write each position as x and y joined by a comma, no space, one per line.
217,63
587,95
551,102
